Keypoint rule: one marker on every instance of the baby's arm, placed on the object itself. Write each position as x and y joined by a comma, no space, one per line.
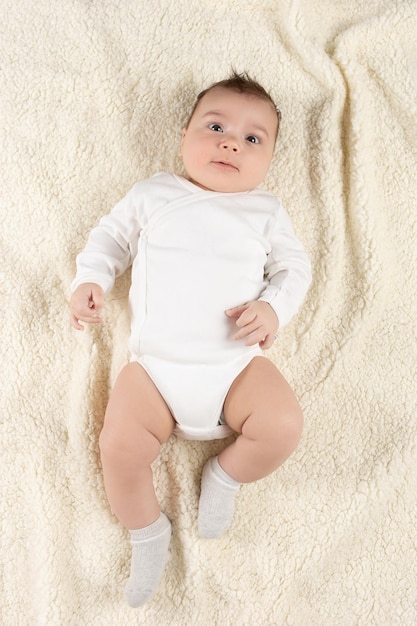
257,323
287,271
288,274
85,305
107,254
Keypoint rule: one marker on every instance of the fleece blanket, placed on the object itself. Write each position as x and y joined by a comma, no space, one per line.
93,98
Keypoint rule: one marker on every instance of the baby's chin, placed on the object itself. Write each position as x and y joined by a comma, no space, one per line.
218,187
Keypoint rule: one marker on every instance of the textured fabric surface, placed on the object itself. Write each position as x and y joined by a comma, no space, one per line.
93,98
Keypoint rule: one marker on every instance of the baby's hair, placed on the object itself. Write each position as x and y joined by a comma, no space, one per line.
241,83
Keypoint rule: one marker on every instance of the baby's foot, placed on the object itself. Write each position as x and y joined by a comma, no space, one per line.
149,556
216,507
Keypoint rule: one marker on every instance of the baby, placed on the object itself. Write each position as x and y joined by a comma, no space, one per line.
216,270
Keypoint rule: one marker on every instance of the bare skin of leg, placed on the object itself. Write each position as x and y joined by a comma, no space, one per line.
262,407
136,424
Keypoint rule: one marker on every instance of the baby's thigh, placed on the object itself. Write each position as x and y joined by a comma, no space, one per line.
135,405
260,397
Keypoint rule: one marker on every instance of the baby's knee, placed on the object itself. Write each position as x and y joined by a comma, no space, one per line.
138,448
283,431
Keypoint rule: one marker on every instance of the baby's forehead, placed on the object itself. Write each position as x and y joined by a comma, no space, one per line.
223,95
223,100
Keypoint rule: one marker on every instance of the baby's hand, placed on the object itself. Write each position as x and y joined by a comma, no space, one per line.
85,305
257,322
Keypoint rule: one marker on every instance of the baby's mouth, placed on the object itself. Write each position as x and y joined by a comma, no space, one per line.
226,165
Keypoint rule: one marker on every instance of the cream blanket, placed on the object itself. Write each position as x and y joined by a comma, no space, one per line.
93,97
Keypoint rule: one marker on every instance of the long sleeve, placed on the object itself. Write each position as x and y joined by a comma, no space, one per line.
110,246
288,270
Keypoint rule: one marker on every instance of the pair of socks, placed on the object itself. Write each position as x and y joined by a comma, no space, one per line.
150,544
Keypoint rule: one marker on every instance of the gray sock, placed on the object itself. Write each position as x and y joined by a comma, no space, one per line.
149,556
216,507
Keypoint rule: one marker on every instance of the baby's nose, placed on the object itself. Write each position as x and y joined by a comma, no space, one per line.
230,145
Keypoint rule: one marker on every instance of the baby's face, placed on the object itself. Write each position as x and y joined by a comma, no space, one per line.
229,142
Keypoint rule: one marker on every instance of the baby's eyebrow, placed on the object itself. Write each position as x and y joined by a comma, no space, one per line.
213,113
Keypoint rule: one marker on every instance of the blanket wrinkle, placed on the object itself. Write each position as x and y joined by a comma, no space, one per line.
93,97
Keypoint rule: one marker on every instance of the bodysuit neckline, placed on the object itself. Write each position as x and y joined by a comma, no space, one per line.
196,189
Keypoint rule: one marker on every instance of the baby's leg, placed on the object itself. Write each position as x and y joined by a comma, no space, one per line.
137,422
262,407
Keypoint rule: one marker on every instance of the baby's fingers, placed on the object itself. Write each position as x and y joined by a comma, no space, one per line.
85,304
75,321
237,311
96,299
76,318
248,329
247,318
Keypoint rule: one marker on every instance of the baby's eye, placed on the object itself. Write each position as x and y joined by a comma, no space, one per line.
252,139
216,127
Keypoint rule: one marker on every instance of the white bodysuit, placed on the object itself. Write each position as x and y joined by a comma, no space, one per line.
194,254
